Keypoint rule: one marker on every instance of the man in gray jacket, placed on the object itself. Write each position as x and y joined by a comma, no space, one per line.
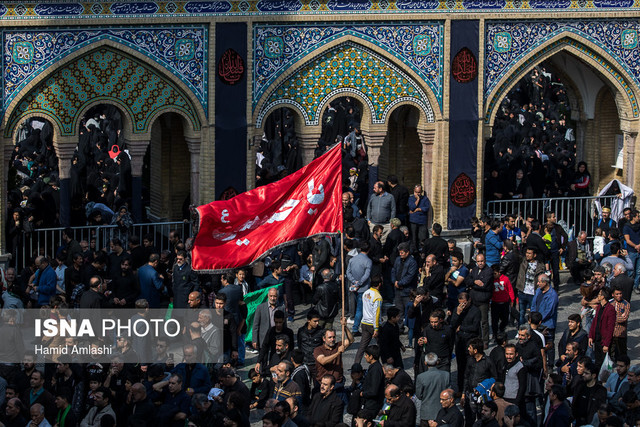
429,385
359,276
380,210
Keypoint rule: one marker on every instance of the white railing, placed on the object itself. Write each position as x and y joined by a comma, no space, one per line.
577,213
46,241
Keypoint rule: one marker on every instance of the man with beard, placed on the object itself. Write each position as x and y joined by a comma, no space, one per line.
479,368
481,278
601,331
268,348
329,355
229,330
434,278
185,281
125,286
281,352
567,363
376,252
465,321
420,310
515,378
326,407
488,415
588,395
438,338
531,357
574,333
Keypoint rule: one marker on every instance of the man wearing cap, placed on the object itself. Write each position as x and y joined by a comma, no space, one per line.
606,223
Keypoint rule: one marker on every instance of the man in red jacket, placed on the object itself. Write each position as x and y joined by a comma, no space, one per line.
601,331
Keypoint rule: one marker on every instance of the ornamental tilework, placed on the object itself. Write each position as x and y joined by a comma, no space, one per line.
517,72
57,9
277,47
348,68
109,75
182,50
506,43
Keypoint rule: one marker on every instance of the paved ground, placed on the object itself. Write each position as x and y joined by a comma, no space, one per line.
569,303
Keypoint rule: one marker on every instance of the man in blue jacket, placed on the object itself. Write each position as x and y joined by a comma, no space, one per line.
404,276
545,302
151,282
44,281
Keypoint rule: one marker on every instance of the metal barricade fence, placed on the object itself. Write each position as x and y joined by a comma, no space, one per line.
47,241
577,213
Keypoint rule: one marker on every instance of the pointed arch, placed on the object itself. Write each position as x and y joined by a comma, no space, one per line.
607,67
189,102
420,92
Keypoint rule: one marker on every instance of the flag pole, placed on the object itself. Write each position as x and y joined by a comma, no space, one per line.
343,290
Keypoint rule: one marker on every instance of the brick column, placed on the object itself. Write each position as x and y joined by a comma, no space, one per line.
65,148
629,159
194,149
427,139
307,142
374,139
137,150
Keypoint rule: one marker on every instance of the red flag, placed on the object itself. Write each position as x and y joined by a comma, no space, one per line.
240,230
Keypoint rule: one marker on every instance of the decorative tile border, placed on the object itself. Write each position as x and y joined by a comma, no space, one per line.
347,68
103,74
182,50
517,72
277,47
61,9
506,43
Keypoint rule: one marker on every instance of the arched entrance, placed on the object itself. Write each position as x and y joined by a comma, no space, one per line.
401,152
597,115
279,152
168,161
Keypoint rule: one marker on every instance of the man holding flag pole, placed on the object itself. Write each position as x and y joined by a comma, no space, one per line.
240,231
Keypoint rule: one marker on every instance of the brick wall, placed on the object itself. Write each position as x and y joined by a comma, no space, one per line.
604,143
170,167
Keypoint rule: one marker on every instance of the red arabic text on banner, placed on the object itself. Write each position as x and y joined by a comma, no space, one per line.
238,231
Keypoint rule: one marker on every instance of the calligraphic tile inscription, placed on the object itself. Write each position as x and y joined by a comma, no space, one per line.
463,191
464,66
231,67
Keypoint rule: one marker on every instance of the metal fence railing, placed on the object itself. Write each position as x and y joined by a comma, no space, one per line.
46,241
577,213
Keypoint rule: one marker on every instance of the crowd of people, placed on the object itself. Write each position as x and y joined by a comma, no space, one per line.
100,184
419,317
437,338
532,152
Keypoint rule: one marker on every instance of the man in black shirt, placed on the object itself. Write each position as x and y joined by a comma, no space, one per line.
434,278
481,279
438,338
465,321
479,369
588,395
449,415
437,246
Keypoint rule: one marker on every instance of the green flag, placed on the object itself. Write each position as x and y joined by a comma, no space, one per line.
253,300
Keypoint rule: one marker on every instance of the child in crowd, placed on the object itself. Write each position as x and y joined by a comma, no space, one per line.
598,243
